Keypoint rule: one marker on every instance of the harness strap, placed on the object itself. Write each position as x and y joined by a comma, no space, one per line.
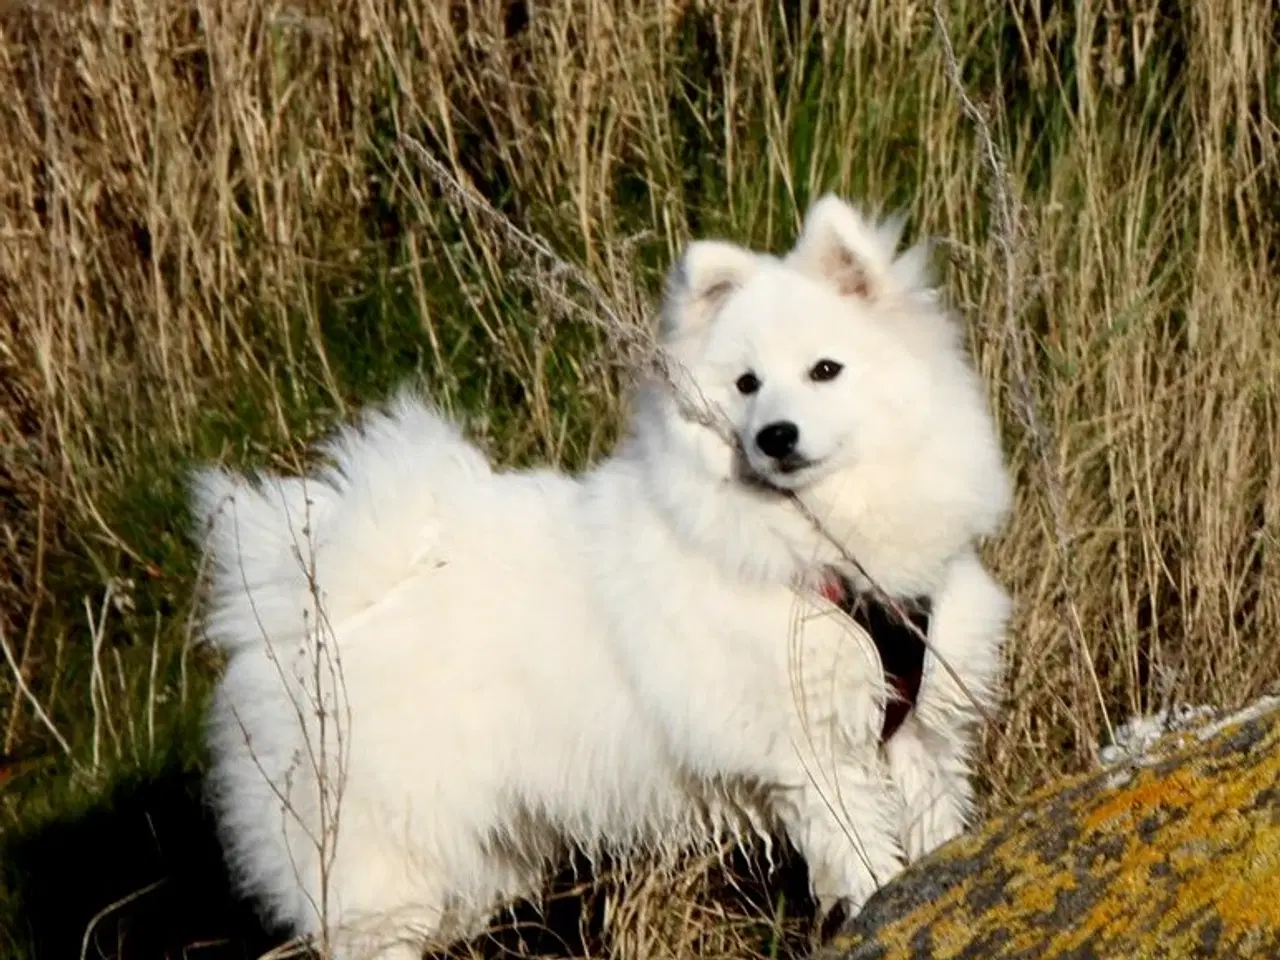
899,646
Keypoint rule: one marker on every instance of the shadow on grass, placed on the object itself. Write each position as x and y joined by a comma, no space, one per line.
139,875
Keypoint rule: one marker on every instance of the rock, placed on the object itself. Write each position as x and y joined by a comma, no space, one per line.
1138,735
1171,854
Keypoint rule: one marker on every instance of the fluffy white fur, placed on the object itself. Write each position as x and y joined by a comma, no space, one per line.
440,675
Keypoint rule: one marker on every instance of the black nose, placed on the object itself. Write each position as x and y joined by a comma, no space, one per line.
778,440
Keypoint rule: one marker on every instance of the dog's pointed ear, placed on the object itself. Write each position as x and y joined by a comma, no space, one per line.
855,255
699,283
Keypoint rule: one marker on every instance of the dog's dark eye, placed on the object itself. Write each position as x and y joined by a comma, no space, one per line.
825,370
748,384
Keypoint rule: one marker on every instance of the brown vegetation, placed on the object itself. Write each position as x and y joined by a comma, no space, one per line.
219,233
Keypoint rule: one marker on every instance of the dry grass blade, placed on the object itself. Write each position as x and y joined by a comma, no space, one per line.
24,688
1005,233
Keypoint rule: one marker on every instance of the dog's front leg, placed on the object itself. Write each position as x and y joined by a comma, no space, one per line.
844,827
843,812
931,775
930,756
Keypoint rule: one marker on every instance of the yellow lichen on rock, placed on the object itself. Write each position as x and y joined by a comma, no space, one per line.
1173,854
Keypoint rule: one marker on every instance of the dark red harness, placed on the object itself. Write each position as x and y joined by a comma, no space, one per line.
899,645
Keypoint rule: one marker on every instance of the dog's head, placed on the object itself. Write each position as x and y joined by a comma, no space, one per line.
806,357
836,362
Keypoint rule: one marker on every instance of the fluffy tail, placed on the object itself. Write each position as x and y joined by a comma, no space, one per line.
286,553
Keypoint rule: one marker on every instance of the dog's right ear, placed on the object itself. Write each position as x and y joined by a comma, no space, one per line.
700,282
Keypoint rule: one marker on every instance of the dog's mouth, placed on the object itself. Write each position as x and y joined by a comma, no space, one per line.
794,463
780,476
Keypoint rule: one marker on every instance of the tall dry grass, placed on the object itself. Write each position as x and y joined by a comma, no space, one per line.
219,234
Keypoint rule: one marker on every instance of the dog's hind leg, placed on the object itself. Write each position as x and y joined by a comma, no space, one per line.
345,946
377,908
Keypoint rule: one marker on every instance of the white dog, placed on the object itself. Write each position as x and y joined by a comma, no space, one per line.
441,676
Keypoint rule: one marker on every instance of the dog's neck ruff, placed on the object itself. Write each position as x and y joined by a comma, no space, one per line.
898,643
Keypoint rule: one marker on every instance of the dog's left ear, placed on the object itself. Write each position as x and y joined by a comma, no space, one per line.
857,256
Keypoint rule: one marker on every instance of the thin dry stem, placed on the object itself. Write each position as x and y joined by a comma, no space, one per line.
1005,233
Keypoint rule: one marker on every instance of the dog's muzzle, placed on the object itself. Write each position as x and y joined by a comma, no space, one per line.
897,642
